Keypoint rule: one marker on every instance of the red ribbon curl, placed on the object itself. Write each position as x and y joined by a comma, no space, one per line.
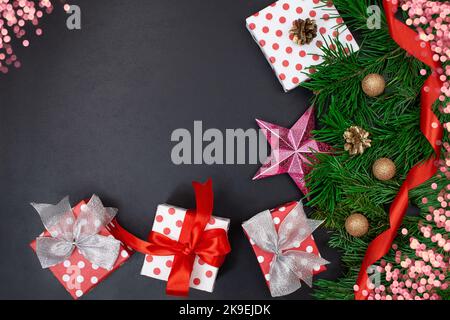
431,128
211,246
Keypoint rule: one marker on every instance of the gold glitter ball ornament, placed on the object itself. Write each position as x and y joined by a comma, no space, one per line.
303,31
357,225
384,169
356,140
373,85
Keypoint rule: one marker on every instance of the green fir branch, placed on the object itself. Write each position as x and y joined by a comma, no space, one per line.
341,184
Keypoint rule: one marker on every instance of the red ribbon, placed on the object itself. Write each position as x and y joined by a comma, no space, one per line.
211,246
431,128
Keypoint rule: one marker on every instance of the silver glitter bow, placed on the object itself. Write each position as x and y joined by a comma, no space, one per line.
68,232
288,266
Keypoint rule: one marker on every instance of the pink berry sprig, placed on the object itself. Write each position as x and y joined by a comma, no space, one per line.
431,19
421,270
418,277
16,17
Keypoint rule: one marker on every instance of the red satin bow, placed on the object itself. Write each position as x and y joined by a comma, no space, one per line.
432,129
211,246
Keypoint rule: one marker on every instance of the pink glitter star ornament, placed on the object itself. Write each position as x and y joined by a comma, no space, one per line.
292,150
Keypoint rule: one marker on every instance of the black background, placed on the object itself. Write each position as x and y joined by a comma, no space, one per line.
92,111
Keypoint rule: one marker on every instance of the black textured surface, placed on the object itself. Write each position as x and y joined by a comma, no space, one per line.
92,111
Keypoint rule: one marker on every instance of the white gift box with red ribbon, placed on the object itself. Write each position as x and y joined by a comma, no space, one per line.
169,222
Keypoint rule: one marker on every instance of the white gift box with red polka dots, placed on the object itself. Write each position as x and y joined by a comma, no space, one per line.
292,62
265,258
169,221
77,274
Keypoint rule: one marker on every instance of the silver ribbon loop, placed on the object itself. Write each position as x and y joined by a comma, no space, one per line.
288,266
69,233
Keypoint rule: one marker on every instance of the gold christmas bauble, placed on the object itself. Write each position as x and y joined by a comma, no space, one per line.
373,85
384,169
357,225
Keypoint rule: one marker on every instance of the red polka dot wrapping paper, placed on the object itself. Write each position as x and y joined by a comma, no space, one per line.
77,274
169,221
270,29
265,258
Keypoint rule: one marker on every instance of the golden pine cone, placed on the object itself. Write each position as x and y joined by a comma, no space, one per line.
357,140
303,31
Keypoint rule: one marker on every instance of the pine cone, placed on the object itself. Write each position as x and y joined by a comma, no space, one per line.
303,31
357,141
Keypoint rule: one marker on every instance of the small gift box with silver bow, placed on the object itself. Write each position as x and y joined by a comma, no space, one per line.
76,246
283,243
